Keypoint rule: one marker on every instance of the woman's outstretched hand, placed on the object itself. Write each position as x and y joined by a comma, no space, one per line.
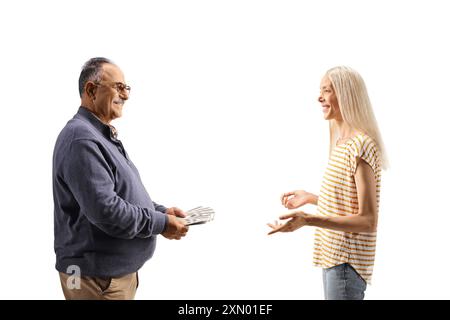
296,199
297,220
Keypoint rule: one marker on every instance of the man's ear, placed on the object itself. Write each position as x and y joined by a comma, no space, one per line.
91,88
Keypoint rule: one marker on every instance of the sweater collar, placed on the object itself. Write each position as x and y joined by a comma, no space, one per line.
107,130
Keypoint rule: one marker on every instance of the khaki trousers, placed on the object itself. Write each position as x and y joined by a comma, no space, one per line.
92,288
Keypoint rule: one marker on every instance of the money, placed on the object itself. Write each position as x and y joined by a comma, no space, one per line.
198,215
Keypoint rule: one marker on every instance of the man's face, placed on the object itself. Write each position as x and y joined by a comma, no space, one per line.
110,94
328,100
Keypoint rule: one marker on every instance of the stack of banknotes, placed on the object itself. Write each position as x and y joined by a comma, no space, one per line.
198,215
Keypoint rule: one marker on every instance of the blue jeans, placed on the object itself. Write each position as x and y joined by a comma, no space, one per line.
342,282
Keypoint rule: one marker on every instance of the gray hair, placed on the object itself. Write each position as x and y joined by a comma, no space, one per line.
91,71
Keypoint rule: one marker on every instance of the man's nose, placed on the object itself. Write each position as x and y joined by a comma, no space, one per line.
124,95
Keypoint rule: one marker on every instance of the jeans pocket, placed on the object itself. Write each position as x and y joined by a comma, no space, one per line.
353,270
336,268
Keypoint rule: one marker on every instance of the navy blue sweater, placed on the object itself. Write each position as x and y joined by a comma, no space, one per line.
105,222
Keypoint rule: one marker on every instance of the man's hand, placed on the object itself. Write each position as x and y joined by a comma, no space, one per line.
174,211
175,228
297,220
297,198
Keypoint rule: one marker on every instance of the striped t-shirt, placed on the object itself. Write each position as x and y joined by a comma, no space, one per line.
338,197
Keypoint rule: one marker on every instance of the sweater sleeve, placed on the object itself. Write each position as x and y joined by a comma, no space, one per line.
159,207
91,181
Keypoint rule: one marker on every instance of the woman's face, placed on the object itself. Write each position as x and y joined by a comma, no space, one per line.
328,100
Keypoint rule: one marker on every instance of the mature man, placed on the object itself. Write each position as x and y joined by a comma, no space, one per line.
105,222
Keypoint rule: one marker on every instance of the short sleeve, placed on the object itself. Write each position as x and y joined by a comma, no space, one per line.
363,148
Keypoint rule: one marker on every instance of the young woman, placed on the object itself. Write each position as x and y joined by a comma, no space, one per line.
347,206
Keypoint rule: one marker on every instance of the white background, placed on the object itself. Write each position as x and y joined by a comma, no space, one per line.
223,113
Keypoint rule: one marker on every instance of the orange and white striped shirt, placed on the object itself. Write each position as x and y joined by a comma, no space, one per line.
338,197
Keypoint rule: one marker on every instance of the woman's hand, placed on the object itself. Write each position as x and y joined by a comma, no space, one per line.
297,220
296,199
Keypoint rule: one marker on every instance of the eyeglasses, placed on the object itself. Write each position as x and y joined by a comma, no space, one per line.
119,86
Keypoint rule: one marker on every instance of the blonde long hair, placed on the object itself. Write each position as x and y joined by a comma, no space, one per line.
355,106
